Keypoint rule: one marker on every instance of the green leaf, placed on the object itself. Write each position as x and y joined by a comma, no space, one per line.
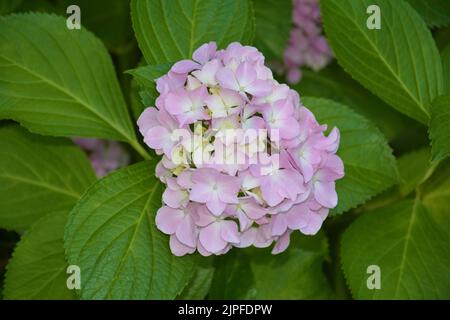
439,128
257,274
387,61
410,242
273,26
412,168
199,285
147,76
335,84
369,164
436,13
144,86
37,269
58,81
445,56
38,175
169,31
111,235
136,104
7,6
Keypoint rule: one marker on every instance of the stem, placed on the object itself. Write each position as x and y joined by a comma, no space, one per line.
139,149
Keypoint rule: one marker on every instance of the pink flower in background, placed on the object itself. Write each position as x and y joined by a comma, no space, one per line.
274,175
307,45
105,155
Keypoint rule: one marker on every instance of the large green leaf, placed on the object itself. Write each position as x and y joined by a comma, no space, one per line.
169,31
445,56
387,61
37,269
38,175
439,128
436,13
273,26
58,81
368,161
111,235
335,84
255,273
410,242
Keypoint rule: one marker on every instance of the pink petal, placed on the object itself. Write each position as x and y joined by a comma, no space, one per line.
314,223
179,249
279,224
210,238
259,88
177,103
247,238
205,52
245,74
207,74
184,66
175,198
325,194
147,120
186,232
226,79
200,193
282,243
215,205
229,231
168,219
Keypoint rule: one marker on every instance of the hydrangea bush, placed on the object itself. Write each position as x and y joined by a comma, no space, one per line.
225,200
138,149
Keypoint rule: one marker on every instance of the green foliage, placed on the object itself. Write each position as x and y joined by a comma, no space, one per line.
111,235
257,274
65,87
369,165
169,31
410,243
37,269
61,82
333,83
38,175
436,13
412,167
439,128
445,56
388,61
200,283
273,26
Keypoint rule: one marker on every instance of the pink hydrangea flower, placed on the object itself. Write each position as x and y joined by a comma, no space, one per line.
251,189
307,45
105,156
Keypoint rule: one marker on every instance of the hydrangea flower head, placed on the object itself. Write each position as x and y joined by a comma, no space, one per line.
307,45
244,163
